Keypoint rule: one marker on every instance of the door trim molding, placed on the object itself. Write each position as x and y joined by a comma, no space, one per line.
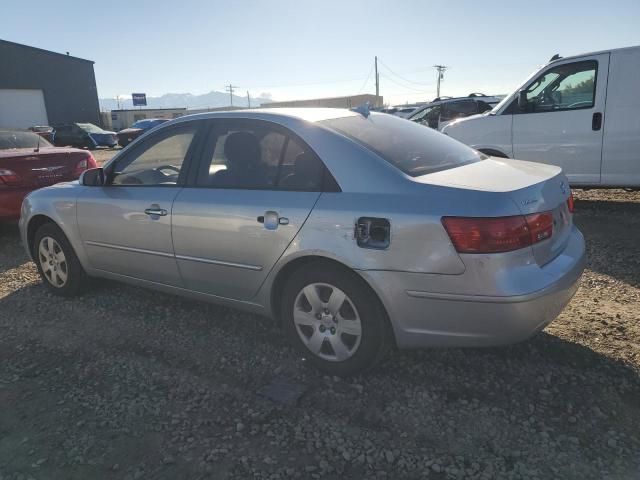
255,268
245,266
129,249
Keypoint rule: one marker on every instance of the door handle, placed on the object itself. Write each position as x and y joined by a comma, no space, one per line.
596,121
155,210
271,220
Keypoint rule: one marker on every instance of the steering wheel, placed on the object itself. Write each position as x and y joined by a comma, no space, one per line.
168,167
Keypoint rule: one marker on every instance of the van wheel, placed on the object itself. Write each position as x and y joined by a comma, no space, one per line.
334,319
57,262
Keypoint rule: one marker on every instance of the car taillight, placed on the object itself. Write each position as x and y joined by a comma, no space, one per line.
570,203
85,164
498,234
8,177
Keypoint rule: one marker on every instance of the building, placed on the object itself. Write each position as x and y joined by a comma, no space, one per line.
333,102
121,119
39,87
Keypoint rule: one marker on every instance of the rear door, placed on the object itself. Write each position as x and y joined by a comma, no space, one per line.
254,189
562,124
126,225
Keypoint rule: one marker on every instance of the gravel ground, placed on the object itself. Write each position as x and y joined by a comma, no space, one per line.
127,383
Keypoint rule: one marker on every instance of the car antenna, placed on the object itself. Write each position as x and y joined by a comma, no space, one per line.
555,57
363,109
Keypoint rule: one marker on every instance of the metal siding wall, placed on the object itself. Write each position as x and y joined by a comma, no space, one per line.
68,83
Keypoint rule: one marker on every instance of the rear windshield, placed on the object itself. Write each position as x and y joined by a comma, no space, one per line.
14,140
413,148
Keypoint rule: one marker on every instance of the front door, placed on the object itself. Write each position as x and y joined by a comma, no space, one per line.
126,225
563,121
254,190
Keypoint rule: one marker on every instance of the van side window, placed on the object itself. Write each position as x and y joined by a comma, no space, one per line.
565,87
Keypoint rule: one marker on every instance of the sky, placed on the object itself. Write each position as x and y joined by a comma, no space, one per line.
295,49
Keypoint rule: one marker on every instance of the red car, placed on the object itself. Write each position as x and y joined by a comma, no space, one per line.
29,162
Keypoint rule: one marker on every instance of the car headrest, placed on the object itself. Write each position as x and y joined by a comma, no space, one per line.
242,150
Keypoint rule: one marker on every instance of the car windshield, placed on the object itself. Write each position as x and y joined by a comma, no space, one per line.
11,140
408,146
90,128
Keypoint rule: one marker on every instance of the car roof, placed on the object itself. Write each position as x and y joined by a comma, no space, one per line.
598,52
307,114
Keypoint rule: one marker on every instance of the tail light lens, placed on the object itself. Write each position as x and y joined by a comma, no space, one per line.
8,177
498,234
85,164
570,203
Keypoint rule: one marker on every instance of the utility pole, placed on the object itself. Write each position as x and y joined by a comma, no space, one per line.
229,88
441,69
248,100
377,79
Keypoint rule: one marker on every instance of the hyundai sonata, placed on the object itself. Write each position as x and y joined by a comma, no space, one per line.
356,230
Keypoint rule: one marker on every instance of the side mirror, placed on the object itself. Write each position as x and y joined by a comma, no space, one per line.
522,99
94,177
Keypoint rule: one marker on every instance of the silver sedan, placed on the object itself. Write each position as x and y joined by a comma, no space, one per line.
356,230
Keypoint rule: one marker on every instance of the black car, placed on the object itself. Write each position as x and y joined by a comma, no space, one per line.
84,135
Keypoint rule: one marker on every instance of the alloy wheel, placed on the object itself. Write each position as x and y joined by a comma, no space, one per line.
53,262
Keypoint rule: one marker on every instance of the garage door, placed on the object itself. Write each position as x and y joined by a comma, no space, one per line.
22,108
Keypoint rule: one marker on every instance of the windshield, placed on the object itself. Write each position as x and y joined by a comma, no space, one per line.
90,128
408,146
15,140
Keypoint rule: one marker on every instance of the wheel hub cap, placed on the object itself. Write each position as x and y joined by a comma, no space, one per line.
327,322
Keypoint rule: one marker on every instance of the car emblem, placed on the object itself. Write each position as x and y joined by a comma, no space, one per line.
47,169
563,188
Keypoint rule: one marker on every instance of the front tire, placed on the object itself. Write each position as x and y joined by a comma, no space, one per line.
57,262
334,319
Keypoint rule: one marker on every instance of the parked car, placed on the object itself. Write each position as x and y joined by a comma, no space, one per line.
444,110
48,133
357,230
29,162
402,111
580,113
128,135
85,135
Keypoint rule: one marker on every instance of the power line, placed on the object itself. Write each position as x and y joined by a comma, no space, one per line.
403,86
402,78
367,79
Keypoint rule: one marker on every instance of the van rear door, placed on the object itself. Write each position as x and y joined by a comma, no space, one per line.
563,121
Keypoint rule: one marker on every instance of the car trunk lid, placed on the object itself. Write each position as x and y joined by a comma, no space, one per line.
533,187
40,169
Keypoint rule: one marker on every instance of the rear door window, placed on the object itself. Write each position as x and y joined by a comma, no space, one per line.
258,155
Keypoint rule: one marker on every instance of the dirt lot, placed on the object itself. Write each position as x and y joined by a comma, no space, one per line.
128,383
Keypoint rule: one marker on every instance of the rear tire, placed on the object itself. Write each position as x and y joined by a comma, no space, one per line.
57,262
334,319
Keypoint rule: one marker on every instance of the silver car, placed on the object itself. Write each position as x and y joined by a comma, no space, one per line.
357,230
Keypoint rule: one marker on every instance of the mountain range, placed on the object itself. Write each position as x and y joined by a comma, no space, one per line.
212,99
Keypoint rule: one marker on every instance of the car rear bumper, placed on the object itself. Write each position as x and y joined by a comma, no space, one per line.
11,201
422,318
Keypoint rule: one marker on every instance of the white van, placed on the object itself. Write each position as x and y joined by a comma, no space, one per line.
581,113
